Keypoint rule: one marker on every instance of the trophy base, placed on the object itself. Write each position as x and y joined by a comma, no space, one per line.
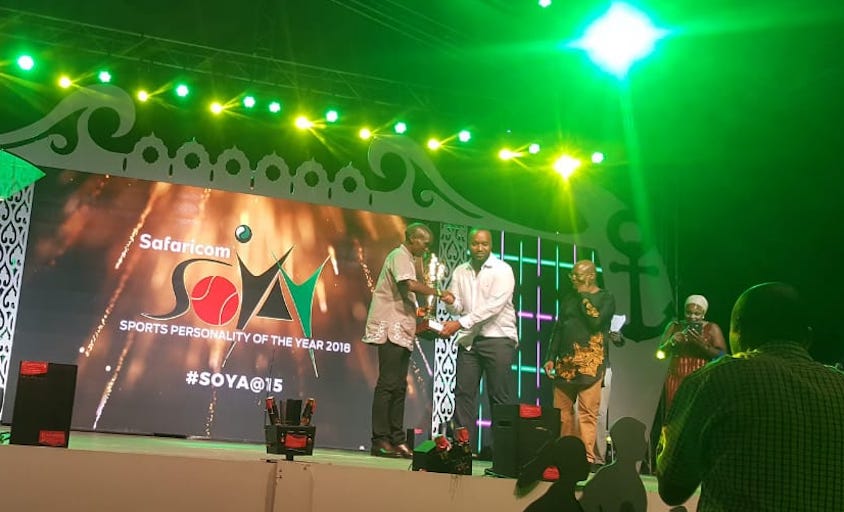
429,329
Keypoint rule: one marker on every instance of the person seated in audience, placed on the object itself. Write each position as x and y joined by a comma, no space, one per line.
762,429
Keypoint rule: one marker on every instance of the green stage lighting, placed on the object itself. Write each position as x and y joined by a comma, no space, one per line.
544,3
142,95
434,144
534,148
332,116
619,38
508,154
275,107
182,90
104,76
26,62
216,108
365,133
464,136
597,157
249,101
400,128
65,82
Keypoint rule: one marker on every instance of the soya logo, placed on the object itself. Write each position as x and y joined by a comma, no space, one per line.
216,300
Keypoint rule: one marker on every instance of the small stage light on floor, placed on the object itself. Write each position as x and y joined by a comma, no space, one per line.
441,455
290,431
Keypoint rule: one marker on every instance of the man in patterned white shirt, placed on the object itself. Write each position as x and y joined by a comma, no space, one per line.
391,326
486,329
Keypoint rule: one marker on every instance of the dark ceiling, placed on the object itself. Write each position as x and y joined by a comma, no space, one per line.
736,117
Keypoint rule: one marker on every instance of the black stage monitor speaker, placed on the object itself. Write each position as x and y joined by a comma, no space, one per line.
518,432
43,404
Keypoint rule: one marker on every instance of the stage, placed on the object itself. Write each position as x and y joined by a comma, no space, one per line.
148,473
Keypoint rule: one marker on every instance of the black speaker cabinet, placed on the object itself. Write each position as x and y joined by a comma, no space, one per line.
518,432
43,404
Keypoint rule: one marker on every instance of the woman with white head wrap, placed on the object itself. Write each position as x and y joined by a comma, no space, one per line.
690,344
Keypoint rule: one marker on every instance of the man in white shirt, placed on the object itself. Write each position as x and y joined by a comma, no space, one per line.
485,327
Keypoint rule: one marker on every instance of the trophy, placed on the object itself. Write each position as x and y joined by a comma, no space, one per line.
427,325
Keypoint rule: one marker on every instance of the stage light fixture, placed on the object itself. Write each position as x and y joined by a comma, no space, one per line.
619,38
182,90
104,76
400,127
464,136
597,157
249,101
303,123
365,133
534,148
142,95
332,116
65,82
26,62
660,354
566,165
434,144
216,108
508,154
544,3
275,107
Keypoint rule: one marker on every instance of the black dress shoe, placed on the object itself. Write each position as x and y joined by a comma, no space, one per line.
383,449
404,451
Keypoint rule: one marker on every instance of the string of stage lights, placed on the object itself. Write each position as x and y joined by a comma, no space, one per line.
614,41
564,163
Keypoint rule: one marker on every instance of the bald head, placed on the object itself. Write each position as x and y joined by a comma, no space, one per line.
768,312
583,276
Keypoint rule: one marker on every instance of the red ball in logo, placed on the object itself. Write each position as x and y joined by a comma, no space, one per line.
215,300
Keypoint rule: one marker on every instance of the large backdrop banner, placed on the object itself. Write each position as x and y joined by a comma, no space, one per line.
184,307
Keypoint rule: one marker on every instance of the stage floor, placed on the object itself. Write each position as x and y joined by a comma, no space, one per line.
241,451
163,473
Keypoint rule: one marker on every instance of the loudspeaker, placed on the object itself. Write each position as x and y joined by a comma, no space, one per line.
43,404
518,432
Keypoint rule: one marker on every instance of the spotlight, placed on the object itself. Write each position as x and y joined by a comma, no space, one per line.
275,107
142,95
26,62
216,108
332,116
619,38
365,133
464,135
182,90
533,149
597,157
544,3
104,76
249,101
660,354
65,82
434,144
566,165
400,127
303,123
508,154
